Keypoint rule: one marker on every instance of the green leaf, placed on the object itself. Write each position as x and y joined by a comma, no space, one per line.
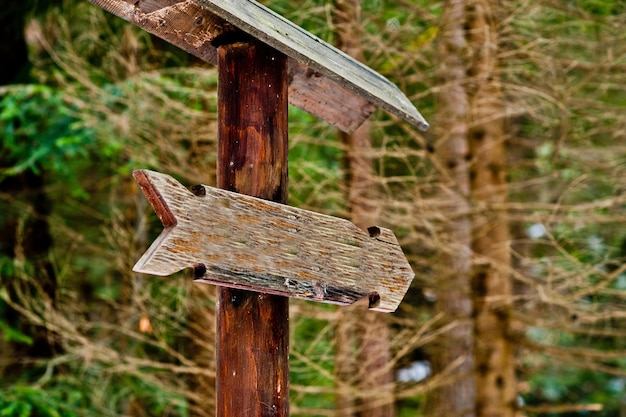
14,335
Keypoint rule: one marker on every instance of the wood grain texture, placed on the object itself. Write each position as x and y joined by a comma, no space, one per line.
252,354
185,23
253,127
278,32
245,242
322,80
252,328
326,99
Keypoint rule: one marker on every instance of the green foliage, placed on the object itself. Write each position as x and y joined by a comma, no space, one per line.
35,125
30,401
315,166
90,394
40,131
312,363
9,334
571,385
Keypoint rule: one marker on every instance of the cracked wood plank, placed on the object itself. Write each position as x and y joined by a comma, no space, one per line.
244,242
322,80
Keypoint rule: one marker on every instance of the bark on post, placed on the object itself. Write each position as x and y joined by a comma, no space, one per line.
252,328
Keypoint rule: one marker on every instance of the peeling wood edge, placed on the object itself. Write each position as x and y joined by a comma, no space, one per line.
160,207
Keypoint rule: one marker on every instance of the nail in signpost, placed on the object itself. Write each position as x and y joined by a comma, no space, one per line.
257,250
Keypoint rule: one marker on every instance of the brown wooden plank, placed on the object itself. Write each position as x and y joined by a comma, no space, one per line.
326,99
278,32
245,242
194,27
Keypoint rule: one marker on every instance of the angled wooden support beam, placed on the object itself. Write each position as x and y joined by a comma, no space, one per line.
322,80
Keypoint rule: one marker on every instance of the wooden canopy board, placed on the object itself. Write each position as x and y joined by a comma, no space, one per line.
244,242
323,80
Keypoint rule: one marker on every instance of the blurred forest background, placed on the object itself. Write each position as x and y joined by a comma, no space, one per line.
511,210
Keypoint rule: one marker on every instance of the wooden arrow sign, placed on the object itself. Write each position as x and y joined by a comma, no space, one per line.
244,242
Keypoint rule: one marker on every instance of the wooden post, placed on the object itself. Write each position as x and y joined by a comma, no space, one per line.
252,328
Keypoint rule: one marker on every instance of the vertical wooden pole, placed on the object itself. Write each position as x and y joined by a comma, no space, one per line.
252,328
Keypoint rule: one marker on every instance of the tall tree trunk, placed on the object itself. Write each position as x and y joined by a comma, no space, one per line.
491,282
470,115
363,350
453,354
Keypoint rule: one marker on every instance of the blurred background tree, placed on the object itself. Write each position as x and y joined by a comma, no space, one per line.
516,237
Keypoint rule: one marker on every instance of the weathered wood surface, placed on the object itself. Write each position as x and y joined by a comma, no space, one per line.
185,23
252,144
244,242
252,338
326,99
322,80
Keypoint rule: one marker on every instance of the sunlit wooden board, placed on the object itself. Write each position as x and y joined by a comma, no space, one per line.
239,241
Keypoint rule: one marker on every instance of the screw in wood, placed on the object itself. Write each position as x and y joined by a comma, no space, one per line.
198,190
374,231
374,300
198,271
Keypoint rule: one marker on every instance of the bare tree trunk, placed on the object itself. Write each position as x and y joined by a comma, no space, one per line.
493,349
366,361
453,354
471,148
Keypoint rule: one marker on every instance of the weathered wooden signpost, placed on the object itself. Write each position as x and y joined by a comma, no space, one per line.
256,249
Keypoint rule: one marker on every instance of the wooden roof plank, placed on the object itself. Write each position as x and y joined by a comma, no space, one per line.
184,24
297,43
336,89
192,28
